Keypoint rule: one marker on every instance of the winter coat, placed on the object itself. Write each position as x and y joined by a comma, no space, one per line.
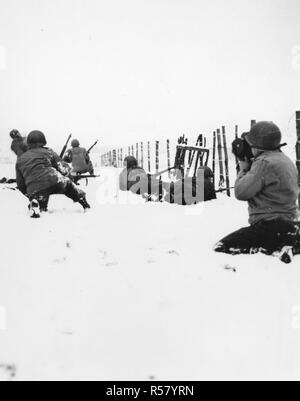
39,169
130,178
80,160
19,146
270,187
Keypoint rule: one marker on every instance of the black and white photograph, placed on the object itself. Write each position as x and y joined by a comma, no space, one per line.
149,193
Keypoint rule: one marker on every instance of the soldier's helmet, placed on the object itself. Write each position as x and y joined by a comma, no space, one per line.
130,162
75,143
264,135
36,138
15,134
207,172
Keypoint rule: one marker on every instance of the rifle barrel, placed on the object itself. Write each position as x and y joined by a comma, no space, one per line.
65,146
92,147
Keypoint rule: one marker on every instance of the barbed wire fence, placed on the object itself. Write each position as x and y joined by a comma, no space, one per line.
155,156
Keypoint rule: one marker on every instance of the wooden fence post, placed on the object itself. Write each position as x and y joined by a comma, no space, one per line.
214,154
157,157
142,154
236,134
114,158
226,161
298,146
222,178
169,157
149,157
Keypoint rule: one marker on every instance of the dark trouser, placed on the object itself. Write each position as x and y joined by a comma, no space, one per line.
266,236
89,169
67,188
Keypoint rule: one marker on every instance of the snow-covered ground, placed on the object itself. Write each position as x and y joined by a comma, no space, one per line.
134,291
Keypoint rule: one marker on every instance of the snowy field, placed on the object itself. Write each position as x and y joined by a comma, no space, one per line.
133,291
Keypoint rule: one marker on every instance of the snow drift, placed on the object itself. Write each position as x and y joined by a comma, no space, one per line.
133,291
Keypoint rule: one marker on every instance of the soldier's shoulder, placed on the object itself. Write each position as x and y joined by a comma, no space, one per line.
24,156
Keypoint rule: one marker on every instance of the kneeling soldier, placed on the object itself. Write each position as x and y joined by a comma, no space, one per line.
80,159
41,173
270,186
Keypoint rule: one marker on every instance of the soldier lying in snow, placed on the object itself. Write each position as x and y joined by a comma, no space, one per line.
80,159
192,190
41,173
185,191
270,186
132,175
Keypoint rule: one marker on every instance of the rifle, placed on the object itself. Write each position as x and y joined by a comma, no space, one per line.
224,190
62,153
162,172
92,147
76,178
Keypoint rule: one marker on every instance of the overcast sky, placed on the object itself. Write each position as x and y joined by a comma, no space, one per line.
124,70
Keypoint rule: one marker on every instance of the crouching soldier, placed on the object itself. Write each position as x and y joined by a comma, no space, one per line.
80,159
41,173
19,143
133,177
270,186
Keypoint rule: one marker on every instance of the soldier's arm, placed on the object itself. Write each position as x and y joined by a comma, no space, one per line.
68,157
249,184
59,164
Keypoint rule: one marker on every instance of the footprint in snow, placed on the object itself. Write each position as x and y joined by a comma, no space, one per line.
104,256
173,252
7,372
59,260
230,268
111,264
